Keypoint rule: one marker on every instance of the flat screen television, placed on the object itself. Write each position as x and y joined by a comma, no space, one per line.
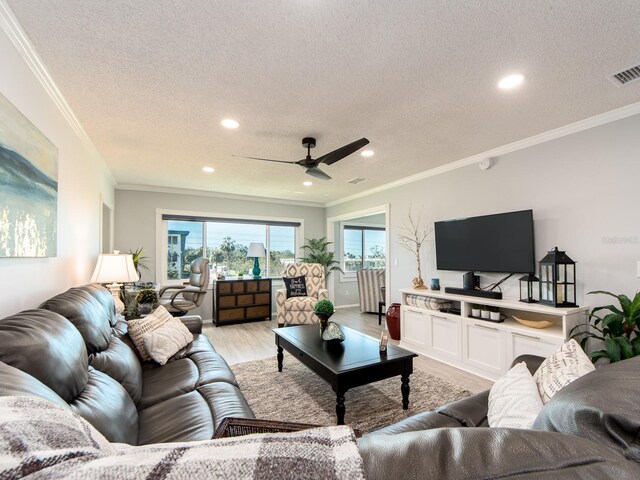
501,243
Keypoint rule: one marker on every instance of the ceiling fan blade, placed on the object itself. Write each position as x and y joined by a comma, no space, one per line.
317,173
341,152
264,159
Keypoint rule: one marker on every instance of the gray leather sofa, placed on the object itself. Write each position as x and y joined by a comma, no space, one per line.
74,351
590,429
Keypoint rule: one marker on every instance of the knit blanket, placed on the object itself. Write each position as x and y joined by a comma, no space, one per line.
40,440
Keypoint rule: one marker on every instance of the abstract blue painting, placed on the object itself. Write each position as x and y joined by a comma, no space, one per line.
28,187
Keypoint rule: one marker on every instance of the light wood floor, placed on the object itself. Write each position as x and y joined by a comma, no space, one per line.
244,342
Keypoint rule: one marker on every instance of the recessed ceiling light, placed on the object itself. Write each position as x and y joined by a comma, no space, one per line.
229,123
307,183
511,81
208,169
367,153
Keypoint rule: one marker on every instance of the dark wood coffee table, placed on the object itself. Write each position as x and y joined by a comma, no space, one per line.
356,361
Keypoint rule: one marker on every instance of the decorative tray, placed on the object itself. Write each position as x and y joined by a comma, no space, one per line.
534,322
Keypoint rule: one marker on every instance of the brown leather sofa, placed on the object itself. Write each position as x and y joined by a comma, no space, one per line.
590,429
75,351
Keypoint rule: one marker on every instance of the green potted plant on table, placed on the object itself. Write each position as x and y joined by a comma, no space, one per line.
619,329
323,310
146,298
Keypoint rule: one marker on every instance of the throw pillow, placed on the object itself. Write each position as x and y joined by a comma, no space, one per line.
138,327
561,368
514,401
296,286
164,342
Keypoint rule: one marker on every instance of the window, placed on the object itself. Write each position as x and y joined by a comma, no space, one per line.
225,242
364,247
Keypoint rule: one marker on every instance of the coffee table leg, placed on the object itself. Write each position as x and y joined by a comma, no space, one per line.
405,392
280,357
340,407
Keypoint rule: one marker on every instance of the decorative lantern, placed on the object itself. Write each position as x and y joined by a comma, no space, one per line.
527,291
557,279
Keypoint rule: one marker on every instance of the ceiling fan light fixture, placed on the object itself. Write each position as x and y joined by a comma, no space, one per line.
367,153
512,81
229,123
208,169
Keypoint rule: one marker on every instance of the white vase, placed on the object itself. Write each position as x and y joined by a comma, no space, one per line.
475,312
485,314
495,316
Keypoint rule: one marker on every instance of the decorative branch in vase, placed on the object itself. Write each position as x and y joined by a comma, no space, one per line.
412,235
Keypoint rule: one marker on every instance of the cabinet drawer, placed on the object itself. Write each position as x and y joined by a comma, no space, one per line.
231,314
531,344
244,300
414,326
444,337
484,347
224,287
237,287
262,298
229,301
252,286
258,312
265,285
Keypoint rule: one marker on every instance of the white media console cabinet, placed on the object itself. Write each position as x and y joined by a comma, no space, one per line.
482,347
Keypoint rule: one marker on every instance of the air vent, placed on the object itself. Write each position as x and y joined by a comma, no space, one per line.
357,180
626,76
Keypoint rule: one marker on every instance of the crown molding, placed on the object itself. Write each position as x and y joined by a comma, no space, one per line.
579,126
204,193
18,37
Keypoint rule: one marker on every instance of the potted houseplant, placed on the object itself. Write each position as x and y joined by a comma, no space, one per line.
484,312
323,310
494,314
617,327
139,261
316,251
146,298
475,310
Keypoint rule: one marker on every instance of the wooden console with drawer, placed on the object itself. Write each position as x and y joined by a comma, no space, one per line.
240,300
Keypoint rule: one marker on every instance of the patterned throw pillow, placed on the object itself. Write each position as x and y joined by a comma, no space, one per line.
164,342
296,286
561,368
137,328
514,401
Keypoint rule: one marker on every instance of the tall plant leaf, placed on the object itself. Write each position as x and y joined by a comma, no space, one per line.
613,349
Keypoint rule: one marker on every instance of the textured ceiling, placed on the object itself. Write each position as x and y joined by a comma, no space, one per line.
150,81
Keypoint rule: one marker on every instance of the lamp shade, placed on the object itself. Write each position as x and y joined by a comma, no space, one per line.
256,250
112,267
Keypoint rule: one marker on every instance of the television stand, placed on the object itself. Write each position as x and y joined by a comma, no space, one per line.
474,293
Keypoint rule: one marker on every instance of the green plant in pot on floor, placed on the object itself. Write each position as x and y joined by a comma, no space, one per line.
147,298
618,327
323,310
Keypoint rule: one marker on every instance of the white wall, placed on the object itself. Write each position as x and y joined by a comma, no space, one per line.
583,189
135,221
82,179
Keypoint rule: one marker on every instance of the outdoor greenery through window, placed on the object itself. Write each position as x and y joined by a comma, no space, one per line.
226,244
363,248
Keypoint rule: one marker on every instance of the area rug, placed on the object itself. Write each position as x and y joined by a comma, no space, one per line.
299,395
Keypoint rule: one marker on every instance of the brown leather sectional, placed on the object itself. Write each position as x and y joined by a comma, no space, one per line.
75,352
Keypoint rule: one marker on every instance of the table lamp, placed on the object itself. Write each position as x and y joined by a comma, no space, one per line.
113,268
256,250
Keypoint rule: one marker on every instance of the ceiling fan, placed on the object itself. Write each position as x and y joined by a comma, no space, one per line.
311,165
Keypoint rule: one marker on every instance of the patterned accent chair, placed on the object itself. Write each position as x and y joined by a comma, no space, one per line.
299,310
